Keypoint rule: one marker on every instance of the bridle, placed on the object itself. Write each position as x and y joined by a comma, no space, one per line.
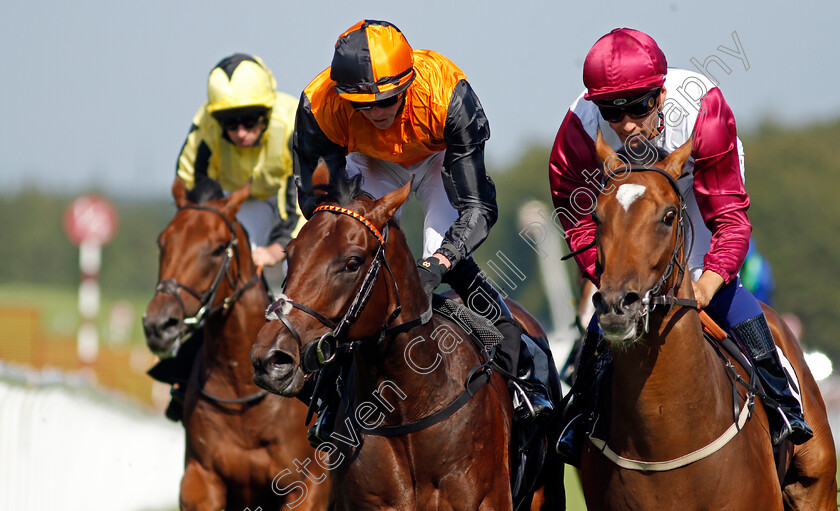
324,349
206,299
659,294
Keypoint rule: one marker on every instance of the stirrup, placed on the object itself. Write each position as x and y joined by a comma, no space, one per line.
521,402
570,441
529,406
319,433
797,434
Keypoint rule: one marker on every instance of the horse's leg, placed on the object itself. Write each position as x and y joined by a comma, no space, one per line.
201,489
810,480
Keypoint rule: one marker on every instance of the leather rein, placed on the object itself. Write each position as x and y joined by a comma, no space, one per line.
325,349
661,294
206,299
658,294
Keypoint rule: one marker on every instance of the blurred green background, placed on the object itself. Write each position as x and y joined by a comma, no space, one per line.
792,178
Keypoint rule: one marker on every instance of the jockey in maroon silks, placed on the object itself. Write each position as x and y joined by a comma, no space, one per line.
645,111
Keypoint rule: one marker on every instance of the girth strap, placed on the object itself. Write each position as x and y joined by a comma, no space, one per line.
699,454
476,379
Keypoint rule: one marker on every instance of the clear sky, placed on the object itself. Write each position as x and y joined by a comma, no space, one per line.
97,93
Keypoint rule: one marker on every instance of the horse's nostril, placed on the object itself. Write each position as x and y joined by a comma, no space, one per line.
159,327
630,300
279,359
170,323
598,302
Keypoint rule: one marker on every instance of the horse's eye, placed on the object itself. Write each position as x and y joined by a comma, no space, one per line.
353,264
669,217
218,251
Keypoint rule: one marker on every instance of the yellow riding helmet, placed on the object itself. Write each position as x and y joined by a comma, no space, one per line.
240,81
372,61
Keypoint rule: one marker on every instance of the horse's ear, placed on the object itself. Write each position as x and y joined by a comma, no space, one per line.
609,159
236,199
390,203
321,179
179,192
674,162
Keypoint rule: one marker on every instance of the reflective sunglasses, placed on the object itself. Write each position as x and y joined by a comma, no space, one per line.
635,108
382,103
249,121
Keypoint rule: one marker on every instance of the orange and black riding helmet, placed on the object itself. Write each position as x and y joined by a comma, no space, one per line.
372,61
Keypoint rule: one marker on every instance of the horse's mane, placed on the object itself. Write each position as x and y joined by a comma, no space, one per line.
205,190
342,189
636,159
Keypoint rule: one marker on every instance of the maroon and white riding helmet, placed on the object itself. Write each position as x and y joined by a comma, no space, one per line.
622,64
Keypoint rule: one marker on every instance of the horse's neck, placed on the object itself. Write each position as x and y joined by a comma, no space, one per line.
228,337
671,372
409,371
410,366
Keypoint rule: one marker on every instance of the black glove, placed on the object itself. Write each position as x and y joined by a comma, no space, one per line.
431,272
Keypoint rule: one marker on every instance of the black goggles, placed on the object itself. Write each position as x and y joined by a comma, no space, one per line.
248,121
382,103
614,110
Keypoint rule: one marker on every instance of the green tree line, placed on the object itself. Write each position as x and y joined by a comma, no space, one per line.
792,175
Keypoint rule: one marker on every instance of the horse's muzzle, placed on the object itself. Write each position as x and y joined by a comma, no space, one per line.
277,372
618,314
163,333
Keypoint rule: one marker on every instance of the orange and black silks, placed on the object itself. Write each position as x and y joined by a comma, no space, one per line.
440,113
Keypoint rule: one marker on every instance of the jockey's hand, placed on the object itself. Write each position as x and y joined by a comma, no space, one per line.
706,287
431,271
268,256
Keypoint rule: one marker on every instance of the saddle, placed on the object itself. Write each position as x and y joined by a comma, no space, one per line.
529,443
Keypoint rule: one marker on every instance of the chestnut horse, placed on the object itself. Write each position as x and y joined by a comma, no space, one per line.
239,441
425,423
673,430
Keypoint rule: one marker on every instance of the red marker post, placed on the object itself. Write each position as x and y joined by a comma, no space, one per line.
89,222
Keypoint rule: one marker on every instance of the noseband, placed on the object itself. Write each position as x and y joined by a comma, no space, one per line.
173,287
658,295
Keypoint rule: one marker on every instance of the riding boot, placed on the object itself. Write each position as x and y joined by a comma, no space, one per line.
786,421
176,372
532,400
175,409
582,402
328,403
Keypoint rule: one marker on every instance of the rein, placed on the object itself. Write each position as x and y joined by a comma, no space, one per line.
193,323
660,294
325,349
172,286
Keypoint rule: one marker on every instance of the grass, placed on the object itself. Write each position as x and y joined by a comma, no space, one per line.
58,308
574,493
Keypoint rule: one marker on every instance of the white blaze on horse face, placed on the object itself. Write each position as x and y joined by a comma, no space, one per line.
628,193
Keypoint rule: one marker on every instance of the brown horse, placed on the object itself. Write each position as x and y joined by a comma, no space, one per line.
426,423
241,445
673,434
